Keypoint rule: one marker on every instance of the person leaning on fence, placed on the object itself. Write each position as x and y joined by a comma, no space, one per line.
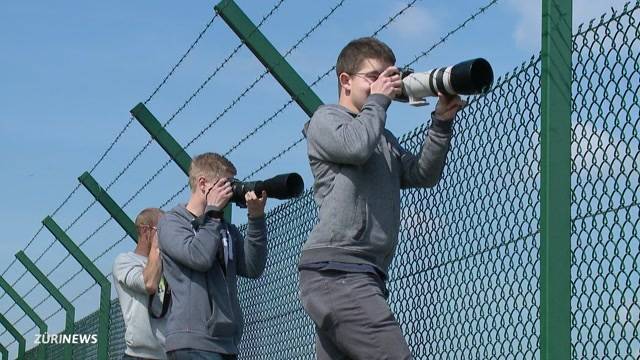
202,254
136,275
359,168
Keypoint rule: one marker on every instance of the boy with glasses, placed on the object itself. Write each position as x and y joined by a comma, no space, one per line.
359,168
136,275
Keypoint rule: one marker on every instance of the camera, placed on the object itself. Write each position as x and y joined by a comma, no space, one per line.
466,78
283,186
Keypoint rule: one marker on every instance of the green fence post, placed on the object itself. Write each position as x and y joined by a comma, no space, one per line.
162,137
69,325
167,142
16,335
5,352
268,56
555,181
109,204
27,310
90,267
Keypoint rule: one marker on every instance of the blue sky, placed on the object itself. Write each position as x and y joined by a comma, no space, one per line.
71,71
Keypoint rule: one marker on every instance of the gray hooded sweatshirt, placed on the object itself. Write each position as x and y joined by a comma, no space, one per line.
201,258
359,168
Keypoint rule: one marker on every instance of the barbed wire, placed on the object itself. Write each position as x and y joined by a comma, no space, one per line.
113,143
231,105
285,105
155,175
68,281
156,90
279,155
262,21
234,102
456,29
255,130
384,26
192,96
313,84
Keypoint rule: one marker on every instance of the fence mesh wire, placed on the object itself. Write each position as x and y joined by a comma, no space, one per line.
464,282
605,182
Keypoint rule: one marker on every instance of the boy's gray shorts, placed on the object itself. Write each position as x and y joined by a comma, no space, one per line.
352,317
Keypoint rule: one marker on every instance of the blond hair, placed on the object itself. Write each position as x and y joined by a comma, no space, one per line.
148,218
211,166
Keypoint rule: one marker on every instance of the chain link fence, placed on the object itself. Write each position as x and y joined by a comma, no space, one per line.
464,282
605,182
465,279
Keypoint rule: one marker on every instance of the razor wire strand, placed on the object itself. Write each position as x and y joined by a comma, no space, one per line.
193,95
296,45
98,257
291,49
279,111
173,69
442,40
233,103
473,330
384,26
156,90
113,143
51,244
263,20
285,105
67,281
289,102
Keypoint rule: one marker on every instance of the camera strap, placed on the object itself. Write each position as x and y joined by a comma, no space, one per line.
164,291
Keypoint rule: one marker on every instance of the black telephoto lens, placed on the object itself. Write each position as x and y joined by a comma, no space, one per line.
284,186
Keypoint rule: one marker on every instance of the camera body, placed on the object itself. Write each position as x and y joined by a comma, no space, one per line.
284,186
466,78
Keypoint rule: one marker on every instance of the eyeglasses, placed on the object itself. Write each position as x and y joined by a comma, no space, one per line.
148,227
370,76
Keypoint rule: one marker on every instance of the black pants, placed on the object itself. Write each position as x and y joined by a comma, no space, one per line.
129,357
352,317
193,354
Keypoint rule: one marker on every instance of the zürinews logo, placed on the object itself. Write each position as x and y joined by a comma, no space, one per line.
66,339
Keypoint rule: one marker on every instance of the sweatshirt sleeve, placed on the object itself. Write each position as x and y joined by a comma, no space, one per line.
335,136
178,241
129,274
251,252
426,170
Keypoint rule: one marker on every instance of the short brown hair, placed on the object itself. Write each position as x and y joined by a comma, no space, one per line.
358,50
148,217
210,166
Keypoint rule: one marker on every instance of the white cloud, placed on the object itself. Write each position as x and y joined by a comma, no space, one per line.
529,18
528,25
417,22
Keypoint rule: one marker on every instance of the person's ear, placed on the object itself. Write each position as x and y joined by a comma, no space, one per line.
202,184
345,81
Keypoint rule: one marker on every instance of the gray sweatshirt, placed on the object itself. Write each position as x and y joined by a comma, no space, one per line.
359,168
200,263
143,335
